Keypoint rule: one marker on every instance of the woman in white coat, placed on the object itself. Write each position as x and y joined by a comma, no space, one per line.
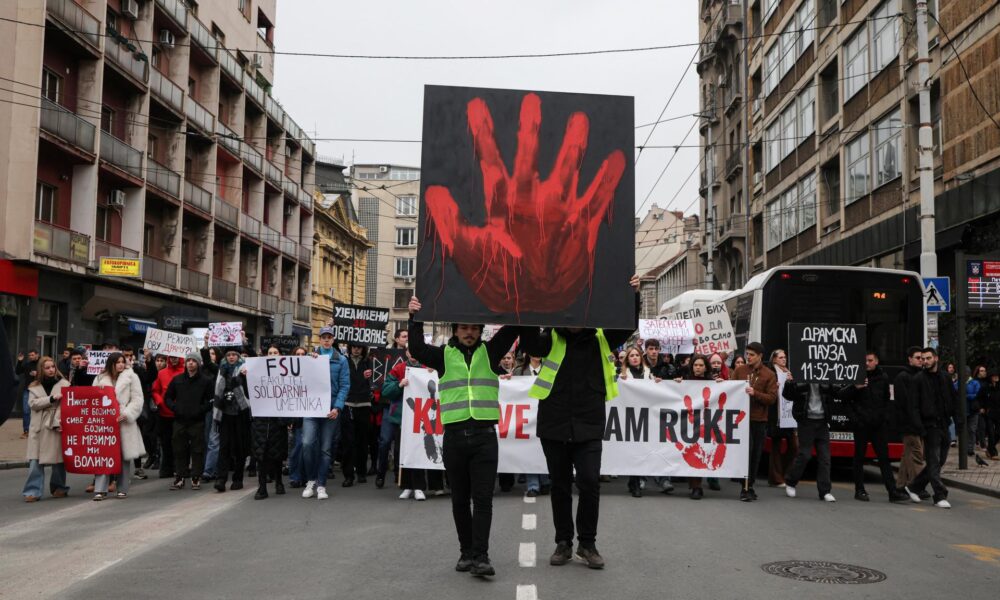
128,390
44,437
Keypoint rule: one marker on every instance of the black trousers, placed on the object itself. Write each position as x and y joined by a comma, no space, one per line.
189,447
470,458
234,445
758,433
354,440
878,437
992,433
812,432
936,446
165,433
562,458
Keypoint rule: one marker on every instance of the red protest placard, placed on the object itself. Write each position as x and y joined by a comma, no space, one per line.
90,432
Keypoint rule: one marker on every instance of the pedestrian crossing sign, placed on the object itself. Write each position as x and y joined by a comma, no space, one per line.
937,295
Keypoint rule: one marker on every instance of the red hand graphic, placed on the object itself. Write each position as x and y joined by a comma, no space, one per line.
535,252
695,455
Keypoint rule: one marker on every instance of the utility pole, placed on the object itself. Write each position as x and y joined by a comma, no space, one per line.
747,119
925,147
709,221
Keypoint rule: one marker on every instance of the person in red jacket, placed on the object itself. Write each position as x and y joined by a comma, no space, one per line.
172,367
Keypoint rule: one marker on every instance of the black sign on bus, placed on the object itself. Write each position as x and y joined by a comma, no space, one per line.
827,353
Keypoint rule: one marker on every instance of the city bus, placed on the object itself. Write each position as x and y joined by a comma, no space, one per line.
889,302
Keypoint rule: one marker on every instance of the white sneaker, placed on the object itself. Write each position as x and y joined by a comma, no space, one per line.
942,504
310,489
829,498
419,495
790,491
321,493
406,495
913,497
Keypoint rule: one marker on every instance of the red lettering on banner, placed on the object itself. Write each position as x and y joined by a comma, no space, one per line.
423,423
517,411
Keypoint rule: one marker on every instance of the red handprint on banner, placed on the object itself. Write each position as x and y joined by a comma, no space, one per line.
710,457
535,251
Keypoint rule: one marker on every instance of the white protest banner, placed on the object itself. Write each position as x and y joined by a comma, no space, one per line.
712,328
169,343
688,429
96,359
289,386
225,334
785,418
676,335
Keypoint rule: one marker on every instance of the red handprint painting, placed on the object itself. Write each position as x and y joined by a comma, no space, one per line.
526,212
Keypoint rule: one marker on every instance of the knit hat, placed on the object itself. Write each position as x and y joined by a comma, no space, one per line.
193,356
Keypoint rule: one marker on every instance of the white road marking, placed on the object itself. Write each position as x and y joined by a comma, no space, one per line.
526,554
529,499
529,522
102,567
527,592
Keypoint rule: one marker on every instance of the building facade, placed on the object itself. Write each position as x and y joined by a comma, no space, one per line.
682,270
658,237
147,131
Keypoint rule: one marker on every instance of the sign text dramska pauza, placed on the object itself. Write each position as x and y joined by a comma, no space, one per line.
827,353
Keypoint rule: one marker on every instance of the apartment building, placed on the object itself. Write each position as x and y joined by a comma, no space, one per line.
679,269
387,198
146,129
658,236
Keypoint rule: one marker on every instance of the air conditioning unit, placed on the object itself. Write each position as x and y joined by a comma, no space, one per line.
757,178
167,38
383,169
258,62
130,9
116,198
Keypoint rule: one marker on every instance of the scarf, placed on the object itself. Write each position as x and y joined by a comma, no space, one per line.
48,383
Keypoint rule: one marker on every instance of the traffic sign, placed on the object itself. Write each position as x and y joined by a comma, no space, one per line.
937,296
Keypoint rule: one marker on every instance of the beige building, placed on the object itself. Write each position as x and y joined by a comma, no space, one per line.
658,236
146,130
679,271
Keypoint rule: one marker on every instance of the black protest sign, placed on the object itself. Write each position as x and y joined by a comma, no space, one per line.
526,208
827,353
286,344
361,325
383,360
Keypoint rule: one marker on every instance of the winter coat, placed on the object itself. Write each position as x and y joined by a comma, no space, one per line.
360,393
237,384
190,397
869,406
269,438
128,391
393,393
935,398
340,378
798,393
163,379
905,400
973,395
765,386
23,370
44,437
644,373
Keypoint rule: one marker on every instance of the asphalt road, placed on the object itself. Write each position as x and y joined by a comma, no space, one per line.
365,543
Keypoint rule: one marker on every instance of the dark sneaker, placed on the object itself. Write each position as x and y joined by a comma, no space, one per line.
753,493
745,496
195,483
464,564
562,555
696,493
899,496
924,495
220,485
481,567
236,485
177,484
531,493
380,482
861,495
713,484
261,493
590,556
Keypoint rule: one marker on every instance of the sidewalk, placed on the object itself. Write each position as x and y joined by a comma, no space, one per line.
12,447
980,480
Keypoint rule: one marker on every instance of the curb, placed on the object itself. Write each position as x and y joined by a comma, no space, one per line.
970,487
13,464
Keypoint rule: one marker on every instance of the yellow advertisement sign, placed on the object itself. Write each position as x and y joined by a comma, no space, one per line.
121,267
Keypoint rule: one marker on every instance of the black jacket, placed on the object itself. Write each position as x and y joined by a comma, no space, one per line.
935,398
798,393
991,401
190,397
908,420
80,377
869,406
661,370
361,387
24,369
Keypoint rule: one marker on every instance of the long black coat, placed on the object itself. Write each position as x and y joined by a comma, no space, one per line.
269,438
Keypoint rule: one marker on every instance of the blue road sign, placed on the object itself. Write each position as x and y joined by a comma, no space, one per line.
938,294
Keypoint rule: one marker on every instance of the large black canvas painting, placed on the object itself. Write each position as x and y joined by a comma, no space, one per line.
526,210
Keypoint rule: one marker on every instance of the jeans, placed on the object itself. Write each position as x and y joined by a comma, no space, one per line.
124,479
562,458
812,432
470,458
535,482
935,449
972,422
758,433
189,448
36,479
354,432
212,446
387,434
25,411
879,439
319,442
295,456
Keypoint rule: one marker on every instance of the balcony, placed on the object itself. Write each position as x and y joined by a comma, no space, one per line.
74,19
64,244
274,110
286,307
167,91
223,290
309,146
302,313
247,297
67,126
306,200
270,236
734,226
250,226
305,254
712,174
293,130
288,247
290,188
335,187
273,174
268,303
227,137
252,158
162,178
734,164
127,60
103,249
177,11
121,155
227,213
230,66
203,38
199,116
201,199
194,282
254,91
159,271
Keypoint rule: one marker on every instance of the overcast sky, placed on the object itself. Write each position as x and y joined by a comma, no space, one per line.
383,98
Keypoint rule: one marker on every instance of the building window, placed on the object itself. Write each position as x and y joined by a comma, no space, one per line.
772,146
807,202
45,202
885,35
789,213
406,206
881,36
769,6
401,297
856,156
856,62
51,86
404,267
789,44
111,20
244,7
406,237
102,230
805,21
788,130
888,140
107,118
148,236
771,68
218,34
773,217
806,103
